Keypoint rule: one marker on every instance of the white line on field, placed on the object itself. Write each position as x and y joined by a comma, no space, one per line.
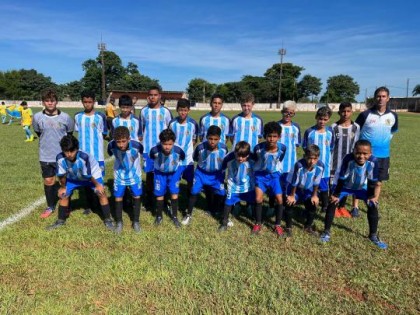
27,210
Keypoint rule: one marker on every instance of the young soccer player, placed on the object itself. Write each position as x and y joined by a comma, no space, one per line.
268,157
359,177
215,118
209,156
186,133
346,134
303,186
51,125
27,121
323,136
75,169
240,179
154,118
3,113
246,126
167,159
126,118
127,173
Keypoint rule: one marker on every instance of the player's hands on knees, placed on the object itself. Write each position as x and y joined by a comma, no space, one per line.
61,192
290,200
334,199
100,190
315,200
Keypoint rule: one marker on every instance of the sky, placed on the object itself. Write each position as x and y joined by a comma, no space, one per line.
375,42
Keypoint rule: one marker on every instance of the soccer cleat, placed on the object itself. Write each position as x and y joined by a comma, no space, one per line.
355,212
230,223
222,228
47,212
256,229
288,232
325,237
279,231
30,139
87,211
136,227
186,220
310,230
158,221
375,240
176,222
118,227
109,225
56,225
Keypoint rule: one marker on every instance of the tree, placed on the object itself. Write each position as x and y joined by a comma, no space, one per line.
260,87
309,86
71,90
340,88
199,89
416,90
288,84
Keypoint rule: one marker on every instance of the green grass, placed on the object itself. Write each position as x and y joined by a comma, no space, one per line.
82,268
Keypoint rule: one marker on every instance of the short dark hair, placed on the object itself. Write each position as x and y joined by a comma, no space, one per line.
323,111
155,87
49,94
125,100
242,148
24,103
183,103
121,132
214,131
167,135
272,127
69,143
312,149
216,95
344,105
87,94
247,98
380,89
363,142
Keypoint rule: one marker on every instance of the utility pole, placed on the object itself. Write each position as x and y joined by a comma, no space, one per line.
102,48
281,52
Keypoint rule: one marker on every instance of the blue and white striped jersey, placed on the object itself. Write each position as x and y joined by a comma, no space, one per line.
306,179
185,134
132,123
291,138
246,129
355,176
325,142
208,120
167,163
127,168
378,129
268,162
240,178
152,122
91,129
207,160
82,169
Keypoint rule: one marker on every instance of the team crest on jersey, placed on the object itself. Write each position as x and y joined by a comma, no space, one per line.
252,128
160,117
131,128
388,122
93,125
173,162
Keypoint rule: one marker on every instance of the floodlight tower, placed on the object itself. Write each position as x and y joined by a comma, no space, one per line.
102,48
281,52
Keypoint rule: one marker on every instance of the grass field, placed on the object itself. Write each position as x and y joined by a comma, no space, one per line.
83,269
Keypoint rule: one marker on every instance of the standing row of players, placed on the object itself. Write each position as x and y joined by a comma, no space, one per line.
253,168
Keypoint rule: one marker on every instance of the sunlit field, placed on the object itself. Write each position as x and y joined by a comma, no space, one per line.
83,268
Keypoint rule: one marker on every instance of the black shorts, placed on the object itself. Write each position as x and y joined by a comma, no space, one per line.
109,122
48,169
383,169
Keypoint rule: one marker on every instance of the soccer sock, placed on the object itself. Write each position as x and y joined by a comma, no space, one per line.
258,213
329,216
174,204
373,218
118,210
279,213
136,210
62,212
191,203
219,201
50,195
159,207
310,212
226,211
271,201
288,211
210,199
324,199
106,211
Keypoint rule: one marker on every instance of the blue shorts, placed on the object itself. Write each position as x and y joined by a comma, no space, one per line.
268,182
324,184
163,181
301,194
102,167
71,185
359,194
213,180
233,198
149,164
136,190
188,172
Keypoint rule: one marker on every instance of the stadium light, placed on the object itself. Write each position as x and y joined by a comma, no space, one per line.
281,52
